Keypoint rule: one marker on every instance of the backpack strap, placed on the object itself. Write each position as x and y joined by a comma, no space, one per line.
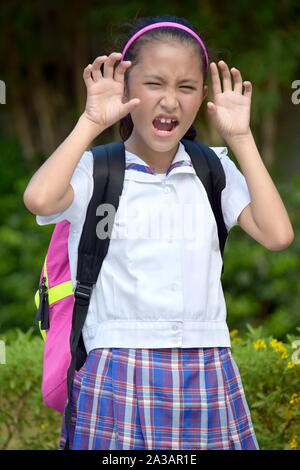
211,173
108,174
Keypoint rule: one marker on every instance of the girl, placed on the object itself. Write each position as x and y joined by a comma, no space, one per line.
159,372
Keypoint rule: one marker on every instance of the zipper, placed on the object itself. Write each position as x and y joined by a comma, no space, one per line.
43,310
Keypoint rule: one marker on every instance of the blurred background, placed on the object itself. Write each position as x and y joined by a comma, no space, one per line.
44,48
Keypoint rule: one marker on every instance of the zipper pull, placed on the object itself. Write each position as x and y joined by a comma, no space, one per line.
42,314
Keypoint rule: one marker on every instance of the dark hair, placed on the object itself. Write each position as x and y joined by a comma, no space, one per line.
132,54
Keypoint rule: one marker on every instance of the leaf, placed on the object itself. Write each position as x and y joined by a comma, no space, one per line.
258,404
261,395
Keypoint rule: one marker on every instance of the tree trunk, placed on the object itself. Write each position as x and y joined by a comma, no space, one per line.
43,106
268,125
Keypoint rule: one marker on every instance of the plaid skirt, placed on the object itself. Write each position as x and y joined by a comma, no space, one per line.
168,398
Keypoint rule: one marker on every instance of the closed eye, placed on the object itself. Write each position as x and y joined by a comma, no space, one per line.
191,88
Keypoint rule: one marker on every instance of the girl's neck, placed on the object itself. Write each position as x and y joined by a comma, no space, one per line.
159,161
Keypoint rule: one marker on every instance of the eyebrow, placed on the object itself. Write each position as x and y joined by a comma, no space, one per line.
156,77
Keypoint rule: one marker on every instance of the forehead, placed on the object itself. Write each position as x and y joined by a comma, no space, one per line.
168,60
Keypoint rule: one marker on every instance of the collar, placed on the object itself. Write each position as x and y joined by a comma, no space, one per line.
138,170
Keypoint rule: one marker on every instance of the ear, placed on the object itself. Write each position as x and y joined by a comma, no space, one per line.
205,92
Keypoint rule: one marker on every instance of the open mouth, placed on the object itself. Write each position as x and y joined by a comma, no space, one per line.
164,127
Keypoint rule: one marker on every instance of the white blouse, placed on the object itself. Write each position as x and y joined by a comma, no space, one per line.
159,285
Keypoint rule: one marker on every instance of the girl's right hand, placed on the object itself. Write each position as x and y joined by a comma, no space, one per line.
104,105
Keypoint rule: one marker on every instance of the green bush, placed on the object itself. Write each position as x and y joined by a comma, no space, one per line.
25,422
269,370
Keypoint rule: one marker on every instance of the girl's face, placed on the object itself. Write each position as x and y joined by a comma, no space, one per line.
168,80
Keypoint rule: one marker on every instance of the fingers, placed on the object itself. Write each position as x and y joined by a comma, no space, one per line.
238,82
248,89
96,72
108,69
87,74
121,69
226,82
92,72
227,86
215,79
130,105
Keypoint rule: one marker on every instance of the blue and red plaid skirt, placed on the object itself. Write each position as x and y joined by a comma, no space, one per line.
167,398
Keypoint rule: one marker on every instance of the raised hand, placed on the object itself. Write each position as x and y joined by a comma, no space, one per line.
104,105
230,109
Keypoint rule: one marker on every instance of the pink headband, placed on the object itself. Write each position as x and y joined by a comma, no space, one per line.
159,25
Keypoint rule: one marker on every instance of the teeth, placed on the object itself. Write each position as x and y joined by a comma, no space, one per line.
166,120
163,132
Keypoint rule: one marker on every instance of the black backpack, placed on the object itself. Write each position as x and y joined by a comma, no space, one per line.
108,174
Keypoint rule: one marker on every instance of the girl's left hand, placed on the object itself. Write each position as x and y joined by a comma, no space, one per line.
230,109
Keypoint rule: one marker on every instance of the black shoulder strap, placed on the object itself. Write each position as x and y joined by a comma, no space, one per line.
108,185
211,172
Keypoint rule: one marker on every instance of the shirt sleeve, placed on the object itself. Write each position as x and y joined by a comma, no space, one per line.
235,196
83,185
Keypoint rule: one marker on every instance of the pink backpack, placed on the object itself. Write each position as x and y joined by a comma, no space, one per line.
62,310
56,285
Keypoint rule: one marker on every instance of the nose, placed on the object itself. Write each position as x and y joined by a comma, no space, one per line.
169,101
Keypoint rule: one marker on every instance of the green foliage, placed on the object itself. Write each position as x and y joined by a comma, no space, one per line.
25,422
270,371
23,244
262,286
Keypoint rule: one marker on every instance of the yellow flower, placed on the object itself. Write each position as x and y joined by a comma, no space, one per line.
293,442
277,345
259,344
294,398
284,355
290,364
234,332
235,340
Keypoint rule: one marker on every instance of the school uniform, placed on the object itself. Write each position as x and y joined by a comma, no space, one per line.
159,372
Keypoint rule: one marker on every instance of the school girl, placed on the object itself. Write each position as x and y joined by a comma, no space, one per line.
159,372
